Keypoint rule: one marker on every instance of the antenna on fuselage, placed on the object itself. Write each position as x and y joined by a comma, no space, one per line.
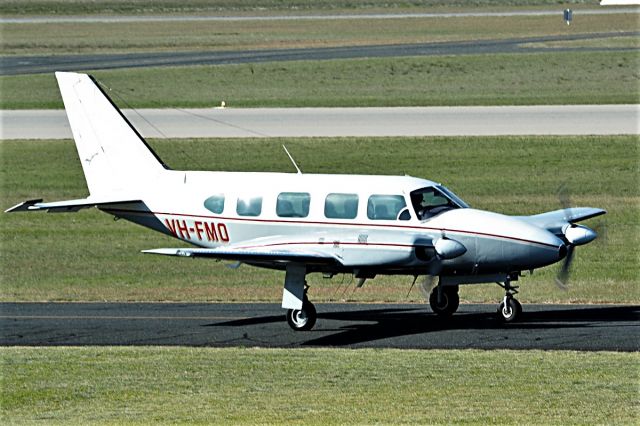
292,160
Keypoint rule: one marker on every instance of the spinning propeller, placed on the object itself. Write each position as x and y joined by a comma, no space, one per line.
443,248
573,235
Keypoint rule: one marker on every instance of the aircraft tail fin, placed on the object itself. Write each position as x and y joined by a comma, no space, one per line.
115,157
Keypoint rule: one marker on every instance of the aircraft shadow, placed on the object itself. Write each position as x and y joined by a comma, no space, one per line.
362,326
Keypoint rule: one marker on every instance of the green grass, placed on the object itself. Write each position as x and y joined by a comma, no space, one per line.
316,386
127,37
551,78
504,79
88,256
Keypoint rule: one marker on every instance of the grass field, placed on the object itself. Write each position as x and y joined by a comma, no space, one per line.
88,256
551,78
126,37
316,386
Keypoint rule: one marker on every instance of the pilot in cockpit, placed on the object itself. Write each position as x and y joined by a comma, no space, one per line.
430,201
417,200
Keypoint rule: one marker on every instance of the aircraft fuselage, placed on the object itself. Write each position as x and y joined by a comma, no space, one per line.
364,241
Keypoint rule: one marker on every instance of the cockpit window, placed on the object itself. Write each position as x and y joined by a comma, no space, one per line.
453,197
430,201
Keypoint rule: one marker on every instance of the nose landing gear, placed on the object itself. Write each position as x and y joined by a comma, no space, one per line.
509,309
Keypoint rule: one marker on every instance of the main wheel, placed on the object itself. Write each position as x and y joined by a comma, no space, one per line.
510,311
449,301
302,319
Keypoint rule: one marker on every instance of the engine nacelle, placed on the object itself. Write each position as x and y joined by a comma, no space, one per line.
449,249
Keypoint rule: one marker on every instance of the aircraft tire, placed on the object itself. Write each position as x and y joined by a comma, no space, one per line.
449,301
511,312
302,319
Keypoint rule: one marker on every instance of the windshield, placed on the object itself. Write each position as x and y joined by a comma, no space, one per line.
453,197
430,201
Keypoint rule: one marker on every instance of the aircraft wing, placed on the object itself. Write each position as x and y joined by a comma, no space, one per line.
66,206
555,220
257,255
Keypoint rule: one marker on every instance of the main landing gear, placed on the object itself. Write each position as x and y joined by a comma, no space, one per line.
509,309
444,300
302,319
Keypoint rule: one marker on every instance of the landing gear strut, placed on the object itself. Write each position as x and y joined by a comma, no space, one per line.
302,319
444,301
509,309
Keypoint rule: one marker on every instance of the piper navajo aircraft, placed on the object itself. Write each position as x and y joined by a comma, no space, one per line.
306,223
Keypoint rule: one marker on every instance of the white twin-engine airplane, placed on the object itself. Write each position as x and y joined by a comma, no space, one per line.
305,223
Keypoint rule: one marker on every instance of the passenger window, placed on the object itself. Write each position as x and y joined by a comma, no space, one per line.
249,206
341,206
215,203
293,204
387,207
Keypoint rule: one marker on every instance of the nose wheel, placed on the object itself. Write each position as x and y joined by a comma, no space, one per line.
509,309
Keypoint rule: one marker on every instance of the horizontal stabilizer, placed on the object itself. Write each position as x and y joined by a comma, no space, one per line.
251,255
65,206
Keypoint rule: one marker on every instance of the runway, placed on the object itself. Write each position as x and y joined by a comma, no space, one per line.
337,122
35,64
545,327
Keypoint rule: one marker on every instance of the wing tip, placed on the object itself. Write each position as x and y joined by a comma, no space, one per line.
168,252
24,206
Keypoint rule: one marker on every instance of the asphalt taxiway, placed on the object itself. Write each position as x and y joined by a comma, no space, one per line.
545,327
37,64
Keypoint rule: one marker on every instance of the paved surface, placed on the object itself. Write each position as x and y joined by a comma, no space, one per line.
547,327
16,65
308,122
299,17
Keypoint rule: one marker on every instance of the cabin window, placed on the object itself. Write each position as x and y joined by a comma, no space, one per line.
215,203
341,206
293,204
387,207
249,206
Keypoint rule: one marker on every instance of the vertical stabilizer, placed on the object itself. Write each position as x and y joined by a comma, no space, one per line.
114,156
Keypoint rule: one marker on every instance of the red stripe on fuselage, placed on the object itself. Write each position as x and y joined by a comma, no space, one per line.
359,224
